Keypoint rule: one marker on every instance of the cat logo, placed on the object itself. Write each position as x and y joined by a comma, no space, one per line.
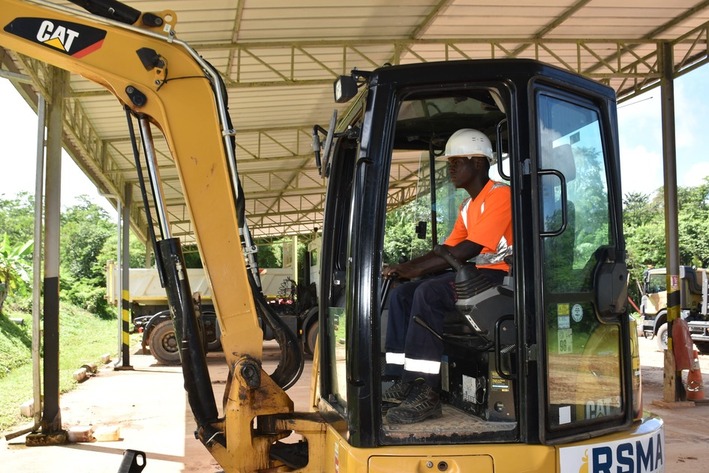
58,37
67,37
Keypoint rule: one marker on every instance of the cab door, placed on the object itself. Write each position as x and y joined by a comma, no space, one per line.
583,365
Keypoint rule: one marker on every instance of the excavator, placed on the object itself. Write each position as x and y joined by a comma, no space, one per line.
539,374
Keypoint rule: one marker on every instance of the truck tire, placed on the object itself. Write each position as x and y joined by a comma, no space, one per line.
703,347
311,338
661,337
163,344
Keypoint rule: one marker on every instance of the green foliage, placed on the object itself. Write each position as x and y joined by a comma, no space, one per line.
270,255
693,220
191,255
15,342
591,210
14,266
644,225
136,249
85,229
88,240
88,294
638,209
401,242
17,217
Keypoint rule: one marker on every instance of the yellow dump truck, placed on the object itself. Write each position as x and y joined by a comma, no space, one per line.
693,288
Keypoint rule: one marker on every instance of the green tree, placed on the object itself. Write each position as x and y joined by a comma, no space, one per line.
17,217
136,249
14,267
270,255
644,225
85,229
401,243
693,220
590,183
638,210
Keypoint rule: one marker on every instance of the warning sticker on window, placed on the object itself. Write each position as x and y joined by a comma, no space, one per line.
565,337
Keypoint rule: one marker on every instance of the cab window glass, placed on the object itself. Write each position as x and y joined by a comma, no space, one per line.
422,208
656,283
583,354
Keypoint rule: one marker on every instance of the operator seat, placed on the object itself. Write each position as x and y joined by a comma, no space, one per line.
483,310
480,340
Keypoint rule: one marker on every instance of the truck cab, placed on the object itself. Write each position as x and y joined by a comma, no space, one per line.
693,284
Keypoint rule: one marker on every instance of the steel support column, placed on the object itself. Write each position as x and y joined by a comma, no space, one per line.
37,264
51,422
673,390
125,278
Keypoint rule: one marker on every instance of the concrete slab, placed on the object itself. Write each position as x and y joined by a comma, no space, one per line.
147,406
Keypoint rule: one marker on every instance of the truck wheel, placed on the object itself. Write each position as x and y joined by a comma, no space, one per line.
703,347
311,338
661,337
163,344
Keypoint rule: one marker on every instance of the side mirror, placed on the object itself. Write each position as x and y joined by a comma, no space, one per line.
611,284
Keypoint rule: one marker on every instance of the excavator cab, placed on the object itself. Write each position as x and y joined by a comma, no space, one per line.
523,363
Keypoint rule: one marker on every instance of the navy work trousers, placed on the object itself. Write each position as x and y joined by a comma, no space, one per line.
412,351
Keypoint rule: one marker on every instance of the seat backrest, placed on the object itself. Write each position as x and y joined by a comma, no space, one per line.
480,303
483,310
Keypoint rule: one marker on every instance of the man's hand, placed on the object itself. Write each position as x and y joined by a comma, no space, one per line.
400,271
430,262
390,272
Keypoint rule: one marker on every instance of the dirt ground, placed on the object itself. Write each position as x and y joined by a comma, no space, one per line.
148,407
686,428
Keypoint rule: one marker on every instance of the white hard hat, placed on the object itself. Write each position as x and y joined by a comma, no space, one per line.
469,142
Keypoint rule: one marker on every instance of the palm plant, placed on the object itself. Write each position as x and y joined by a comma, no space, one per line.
14,268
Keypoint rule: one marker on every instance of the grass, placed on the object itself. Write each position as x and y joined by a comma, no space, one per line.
83,338
15,342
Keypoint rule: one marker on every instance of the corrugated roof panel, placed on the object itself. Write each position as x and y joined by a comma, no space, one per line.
279,59
275,20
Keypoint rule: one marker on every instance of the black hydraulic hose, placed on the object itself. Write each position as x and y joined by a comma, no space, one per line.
111,9
198,384
290,366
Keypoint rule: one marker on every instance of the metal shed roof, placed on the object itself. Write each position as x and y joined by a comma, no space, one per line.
280,57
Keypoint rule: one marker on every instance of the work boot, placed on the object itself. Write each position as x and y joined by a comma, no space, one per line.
421,403
396,393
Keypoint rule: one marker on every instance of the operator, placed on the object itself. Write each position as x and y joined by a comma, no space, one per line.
482,234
